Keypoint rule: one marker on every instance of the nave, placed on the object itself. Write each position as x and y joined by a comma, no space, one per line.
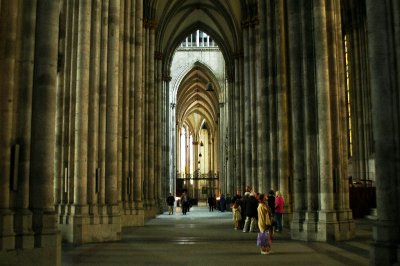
208,238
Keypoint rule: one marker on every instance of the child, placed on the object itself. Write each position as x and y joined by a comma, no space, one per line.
237,217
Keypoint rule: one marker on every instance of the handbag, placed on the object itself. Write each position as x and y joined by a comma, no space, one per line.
263,239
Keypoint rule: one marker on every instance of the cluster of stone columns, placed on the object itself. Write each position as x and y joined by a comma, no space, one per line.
383,47
108,153
28,64
294,105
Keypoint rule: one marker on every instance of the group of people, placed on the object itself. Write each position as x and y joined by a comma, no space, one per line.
262,213
184,201
254,212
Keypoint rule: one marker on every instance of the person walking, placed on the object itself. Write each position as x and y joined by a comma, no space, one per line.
264,238
170,203
279,203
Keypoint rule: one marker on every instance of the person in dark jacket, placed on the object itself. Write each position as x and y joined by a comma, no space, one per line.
271,205
211,203
250,224
170,202
243,208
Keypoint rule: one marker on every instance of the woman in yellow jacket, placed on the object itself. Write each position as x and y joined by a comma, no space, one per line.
265,225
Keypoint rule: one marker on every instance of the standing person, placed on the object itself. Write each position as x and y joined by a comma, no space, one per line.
211,203
236,215
251,214
271,205
185,202
170,202
279,202
264,238
222,203
244,201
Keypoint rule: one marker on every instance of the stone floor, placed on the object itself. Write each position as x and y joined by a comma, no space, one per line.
208,238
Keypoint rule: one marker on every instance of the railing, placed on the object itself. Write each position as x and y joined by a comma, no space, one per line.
197,176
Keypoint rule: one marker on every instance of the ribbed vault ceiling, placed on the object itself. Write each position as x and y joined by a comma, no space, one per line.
175,20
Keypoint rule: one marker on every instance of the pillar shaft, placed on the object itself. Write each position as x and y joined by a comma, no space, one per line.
324,105
126,85
384,44
43,106
111,181
151,118
283,109
247,108
8,31
296,102
82,102
103,102
262,95
94,84
138,104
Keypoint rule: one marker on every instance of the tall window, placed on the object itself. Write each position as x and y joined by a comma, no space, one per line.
183,150
348,102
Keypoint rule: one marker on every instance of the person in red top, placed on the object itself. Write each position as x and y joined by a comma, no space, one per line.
279,202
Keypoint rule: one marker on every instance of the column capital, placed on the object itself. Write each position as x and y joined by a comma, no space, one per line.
158,55
237,55
166,77
245,23
254,21
149,24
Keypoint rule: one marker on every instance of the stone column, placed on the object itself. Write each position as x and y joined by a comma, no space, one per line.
384,46
160,177
103,107
132,61
297,110
138,96
93,108
273,84
311,126
8,56
237,124
122,38
151,118
58,165
8,43
111,182
81,110
125,57
262,103
252,82
145,106
282,98
247,101
43,133
324,107
23,114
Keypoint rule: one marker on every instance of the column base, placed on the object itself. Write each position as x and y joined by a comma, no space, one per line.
322,226
132,216
24,238
7,236
49,253
79,226
385,249
304,226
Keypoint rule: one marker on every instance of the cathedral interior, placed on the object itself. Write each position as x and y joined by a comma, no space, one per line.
107,106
